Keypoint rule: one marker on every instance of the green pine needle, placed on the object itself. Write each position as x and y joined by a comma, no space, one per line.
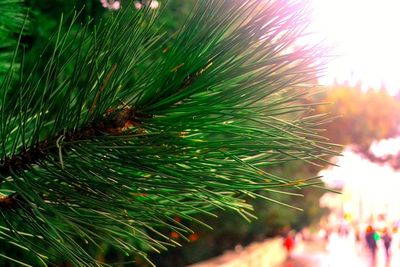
117,135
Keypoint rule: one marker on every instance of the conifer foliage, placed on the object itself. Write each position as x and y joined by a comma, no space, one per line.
11,21
125,129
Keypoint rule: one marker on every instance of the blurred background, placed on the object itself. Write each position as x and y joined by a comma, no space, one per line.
361,87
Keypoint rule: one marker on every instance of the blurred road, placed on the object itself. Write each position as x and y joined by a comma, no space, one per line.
338,252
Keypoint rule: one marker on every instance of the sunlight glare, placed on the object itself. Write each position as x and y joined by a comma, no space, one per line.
366,37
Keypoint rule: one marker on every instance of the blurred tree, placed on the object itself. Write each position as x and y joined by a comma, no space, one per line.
364,117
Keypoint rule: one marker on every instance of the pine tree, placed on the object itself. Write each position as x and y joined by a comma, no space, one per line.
125,129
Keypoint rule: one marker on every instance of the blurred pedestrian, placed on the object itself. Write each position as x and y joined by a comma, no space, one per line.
370,238
289,243
387,241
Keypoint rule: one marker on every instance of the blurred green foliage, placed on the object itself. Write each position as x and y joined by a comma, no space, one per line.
45,17
12,22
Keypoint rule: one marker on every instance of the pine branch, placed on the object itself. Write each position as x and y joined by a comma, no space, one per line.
114,123
114,138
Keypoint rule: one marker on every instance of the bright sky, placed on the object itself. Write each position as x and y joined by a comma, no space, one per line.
386,147
366,34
